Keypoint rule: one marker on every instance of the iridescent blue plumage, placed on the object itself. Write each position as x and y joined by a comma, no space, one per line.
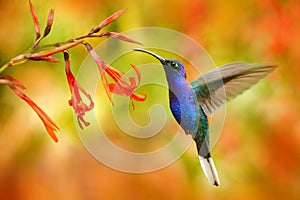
191,103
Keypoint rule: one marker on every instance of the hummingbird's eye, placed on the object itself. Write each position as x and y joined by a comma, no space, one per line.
173,64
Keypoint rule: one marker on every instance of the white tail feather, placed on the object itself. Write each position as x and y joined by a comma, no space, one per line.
209,170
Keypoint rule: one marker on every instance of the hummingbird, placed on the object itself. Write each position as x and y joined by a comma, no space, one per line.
191,103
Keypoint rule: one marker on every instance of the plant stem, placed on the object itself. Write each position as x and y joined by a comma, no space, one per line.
15,61
4,67
36,47
71,40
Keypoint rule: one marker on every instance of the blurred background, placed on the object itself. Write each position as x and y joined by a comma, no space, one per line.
257,155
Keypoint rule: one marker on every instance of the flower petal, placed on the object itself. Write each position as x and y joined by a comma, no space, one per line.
35,21
138,73
139,97
76,90
102,67
9,80
107,21
42,54
50,126
122,88
49,23
46,58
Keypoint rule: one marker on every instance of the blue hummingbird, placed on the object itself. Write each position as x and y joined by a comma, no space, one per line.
191,103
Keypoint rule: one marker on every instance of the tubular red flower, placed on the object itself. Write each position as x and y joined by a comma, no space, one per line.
35,21
107,21
76,101
49,23
42,55
101,66
120,87
124,88
14,84
47,59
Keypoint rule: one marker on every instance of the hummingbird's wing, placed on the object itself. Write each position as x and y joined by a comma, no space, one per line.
219,85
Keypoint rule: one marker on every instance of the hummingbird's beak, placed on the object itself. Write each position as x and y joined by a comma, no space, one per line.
161,59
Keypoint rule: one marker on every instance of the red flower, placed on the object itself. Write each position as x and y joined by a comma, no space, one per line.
49,23
124,88
14,84
107,21
123,85
35,21
120,87
46,55
76,102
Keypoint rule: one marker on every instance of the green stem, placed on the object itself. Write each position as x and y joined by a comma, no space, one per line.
36,43
4,67
21,58
15,61
69,41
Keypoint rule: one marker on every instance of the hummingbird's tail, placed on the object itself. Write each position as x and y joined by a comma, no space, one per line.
209,169
207,162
